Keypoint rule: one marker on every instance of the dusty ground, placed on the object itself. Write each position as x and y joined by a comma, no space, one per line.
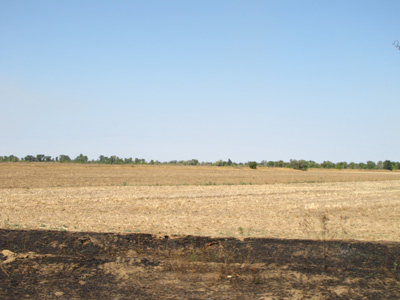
67,265
75,232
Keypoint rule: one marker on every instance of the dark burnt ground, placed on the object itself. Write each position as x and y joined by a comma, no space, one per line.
72,265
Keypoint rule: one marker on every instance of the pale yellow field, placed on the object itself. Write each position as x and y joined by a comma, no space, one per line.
175,200
45,175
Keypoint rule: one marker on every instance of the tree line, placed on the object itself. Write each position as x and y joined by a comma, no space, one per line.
293,163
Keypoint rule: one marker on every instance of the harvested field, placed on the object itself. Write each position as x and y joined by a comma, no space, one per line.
46,175
353,210
160,200
151,232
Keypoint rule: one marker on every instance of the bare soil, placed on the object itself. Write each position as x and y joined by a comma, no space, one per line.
151,232
70,265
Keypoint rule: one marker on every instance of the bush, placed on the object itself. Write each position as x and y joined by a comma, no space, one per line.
328,165
341,165
253,165
387,165
299,164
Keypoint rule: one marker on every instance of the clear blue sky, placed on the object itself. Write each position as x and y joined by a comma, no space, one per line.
163,80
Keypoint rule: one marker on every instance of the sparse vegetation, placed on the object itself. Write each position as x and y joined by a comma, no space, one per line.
293,163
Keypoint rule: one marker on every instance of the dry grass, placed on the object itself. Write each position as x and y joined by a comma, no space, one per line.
366,207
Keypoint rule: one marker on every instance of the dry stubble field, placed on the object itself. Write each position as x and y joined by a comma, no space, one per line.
212,201
122,232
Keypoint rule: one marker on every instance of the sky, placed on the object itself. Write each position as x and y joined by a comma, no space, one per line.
210,80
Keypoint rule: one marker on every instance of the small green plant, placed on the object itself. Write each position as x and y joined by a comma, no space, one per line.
124,183
370,275
241,231
194,257
256,279
210,183
246,183
304,181
6,223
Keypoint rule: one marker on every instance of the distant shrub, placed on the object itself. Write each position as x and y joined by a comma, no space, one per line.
328,165
388,165
299,164
341,165
220,163
253,165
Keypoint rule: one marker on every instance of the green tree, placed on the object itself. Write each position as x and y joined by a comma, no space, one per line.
328,165
298,164
362,166
280,164
252,164
128,160
387,165
341,165
220,163
40,157
192,162
64,158
140,161
313,164
371,165
115,160
11,158
30,158
82,159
